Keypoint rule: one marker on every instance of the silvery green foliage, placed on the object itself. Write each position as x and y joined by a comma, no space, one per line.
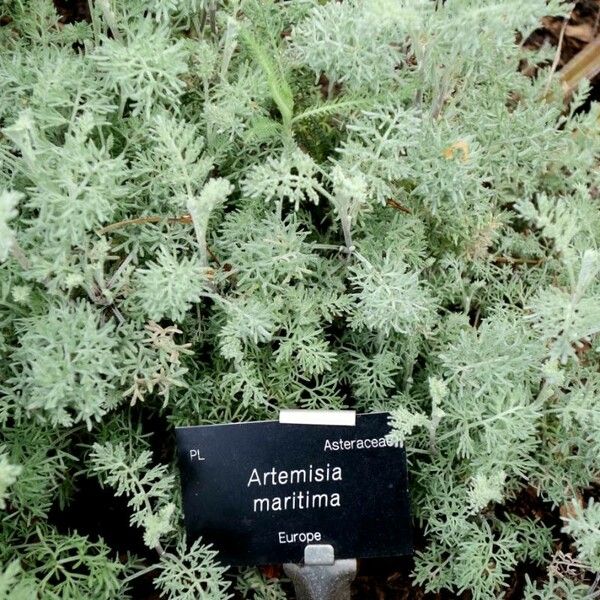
175,155
291,177
182,283
58,560
8,475
570,318
12,584
148,487
356,43
70,381
183,573
485,489
389,298
167,10
144,66
378,144
584,527
252,584
192,231
212,196
44,466
8,211
557,588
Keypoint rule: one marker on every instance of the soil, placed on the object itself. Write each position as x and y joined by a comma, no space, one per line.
73,10
380,579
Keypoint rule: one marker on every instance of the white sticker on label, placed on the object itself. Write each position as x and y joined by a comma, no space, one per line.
318,417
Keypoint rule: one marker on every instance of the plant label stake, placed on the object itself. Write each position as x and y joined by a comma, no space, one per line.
321,577
323,486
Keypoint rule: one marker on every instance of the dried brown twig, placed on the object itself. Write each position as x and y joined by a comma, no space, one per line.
395,204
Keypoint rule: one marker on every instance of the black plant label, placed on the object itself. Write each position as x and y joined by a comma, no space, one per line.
260,492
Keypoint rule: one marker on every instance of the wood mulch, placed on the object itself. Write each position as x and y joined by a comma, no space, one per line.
581,28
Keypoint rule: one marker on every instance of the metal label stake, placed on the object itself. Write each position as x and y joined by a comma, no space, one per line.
321,577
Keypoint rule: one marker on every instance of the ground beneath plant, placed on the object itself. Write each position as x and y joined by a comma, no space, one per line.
381,579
